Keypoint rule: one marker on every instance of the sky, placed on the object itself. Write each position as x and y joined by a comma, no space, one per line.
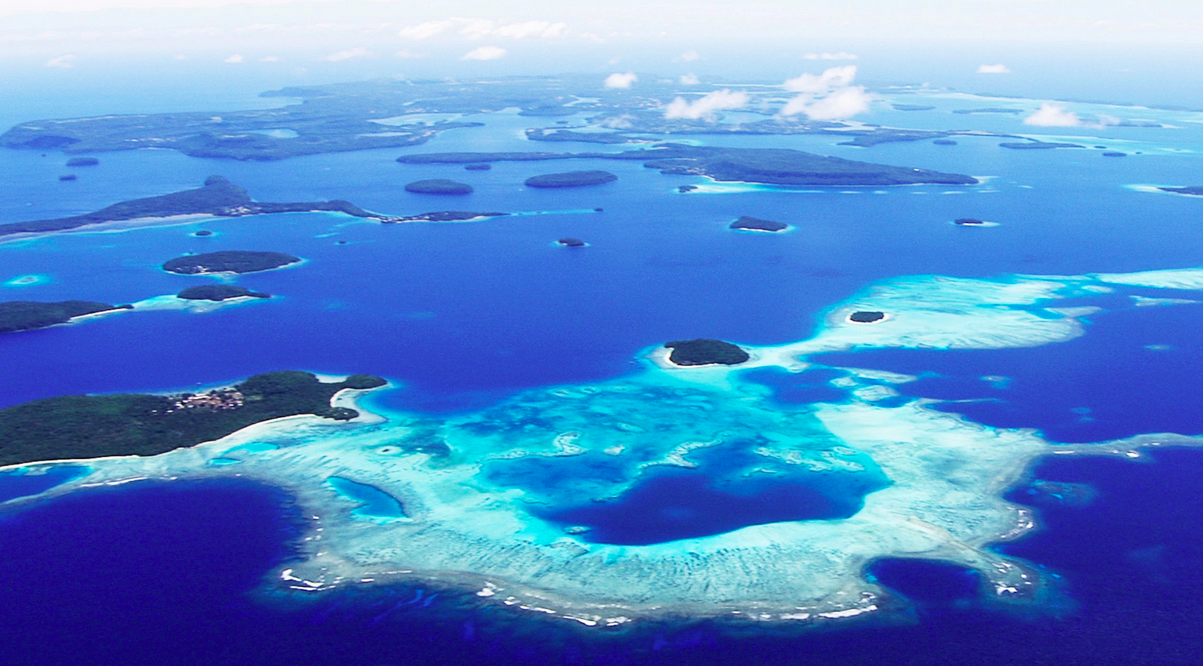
973,44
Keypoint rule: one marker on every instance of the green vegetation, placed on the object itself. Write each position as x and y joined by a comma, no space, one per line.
571,179
219,292
705,351
866,316
28,315
82,426
228,261
757,224
438,186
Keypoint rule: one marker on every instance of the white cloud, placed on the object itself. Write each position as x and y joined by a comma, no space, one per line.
834,77
346,54
477,29
409,55
234,59
706,106
424,30
843,103
688,56
485,53
541,29
624,121
839,55
619,80
994,69
689,80
1053,115
62,62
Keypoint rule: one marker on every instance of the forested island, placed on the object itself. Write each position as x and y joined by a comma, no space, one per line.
87,426
773,166
866,316
571,179
438,186
749,223
1193,190
229,261
219,292
218,197
30,315
705,351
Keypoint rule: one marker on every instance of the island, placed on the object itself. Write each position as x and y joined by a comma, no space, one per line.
229,261
477,167
217,198
1114,153
1192,190
95,426
770,166
67,177
438,186
748,223
571,179
1036,145
912,107
944,142
705,351
969,222
866,316
444,216
570,242
686,189
219,292
203,233
989,109
82,161
30,315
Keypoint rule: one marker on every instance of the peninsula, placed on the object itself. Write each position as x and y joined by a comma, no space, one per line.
218,198
705,351
748,223
94,426
571,179
229,261
219,292
771,166
30,315
1193,190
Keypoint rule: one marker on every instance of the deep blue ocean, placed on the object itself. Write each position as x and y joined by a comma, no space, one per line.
464,315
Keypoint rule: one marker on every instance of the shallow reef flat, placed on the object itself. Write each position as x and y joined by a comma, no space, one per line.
519,501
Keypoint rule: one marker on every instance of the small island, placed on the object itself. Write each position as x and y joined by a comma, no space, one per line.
94,426
30,315
1193,190
1036,145
477,167
911,107
686,189
67,177
203,233
944,142
82,161
218,292
570,242
968,222
571,179
445,216
705,351
866,316
1114,153
228,261
748,223
438,186
218,198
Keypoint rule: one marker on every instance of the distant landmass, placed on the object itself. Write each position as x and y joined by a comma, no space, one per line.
30,315
749,223
705,351
1037,145
1193,190
218,292
438,186
774,166
229,261
988,109
911,107
87,426
82,161
571,179
219,197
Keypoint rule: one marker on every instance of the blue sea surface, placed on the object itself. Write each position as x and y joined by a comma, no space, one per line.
463,316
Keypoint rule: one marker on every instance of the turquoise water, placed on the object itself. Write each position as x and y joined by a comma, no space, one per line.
374,503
